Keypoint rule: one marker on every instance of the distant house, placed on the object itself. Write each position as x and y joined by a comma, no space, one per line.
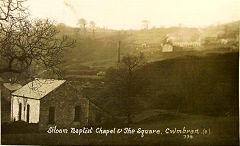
190,44
50,102
224,41
101,73
167,48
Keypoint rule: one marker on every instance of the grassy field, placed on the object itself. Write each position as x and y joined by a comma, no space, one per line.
75,66
223,131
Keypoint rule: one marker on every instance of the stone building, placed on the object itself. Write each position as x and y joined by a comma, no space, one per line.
5,93
51,102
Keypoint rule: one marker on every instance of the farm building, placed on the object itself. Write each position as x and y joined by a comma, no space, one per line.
167,48
50,102
6,90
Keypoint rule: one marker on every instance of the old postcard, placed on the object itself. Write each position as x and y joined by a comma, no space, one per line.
119,72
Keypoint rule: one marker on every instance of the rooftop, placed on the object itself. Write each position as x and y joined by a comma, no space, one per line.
12,86
38,88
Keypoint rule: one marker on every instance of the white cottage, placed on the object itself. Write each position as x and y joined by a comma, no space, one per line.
25,102
167,48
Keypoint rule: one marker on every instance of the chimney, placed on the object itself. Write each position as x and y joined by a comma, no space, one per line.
118,51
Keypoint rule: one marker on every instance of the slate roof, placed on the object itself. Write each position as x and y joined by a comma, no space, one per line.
38,88
12,87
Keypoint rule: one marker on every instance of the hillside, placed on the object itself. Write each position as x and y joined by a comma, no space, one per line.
206,84
99,47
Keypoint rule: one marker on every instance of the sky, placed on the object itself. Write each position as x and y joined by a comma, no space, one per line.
128,14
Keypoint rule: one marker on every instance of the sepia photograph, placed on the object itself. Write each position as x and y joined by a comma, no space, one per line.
119,72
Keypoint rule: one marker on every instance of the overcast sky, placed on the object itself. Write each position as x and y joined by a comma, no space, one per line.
128,14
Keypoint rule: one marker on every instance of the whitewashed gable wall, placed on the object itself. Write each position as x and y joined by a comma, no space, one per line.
34,109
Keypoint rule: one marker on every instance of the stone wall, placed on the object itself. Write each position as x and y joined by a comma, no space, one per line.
64,100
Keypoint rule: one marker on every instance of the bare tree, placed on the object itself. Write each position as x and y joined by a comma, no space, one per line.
92,26
25,42
10,9
82,23
145,24
125,83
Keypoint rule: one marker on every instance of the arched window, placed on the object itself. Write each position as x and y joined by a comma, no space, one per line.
28,112
20,112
